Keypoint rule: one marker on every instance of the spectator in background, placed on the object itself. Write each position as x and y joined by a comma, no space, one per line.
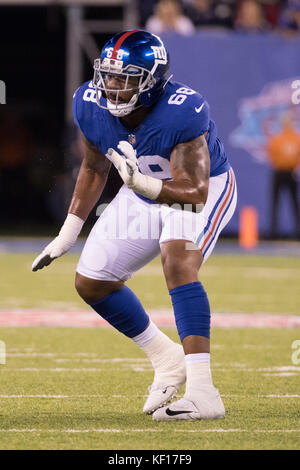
145,10
210,13
272,9
201,12
250,17
284,153
168,16
289,19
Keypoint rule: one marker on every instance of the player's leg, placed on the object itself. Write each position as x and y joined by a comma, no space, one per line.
192,315
114,302
104,266
191,306
167,358
120,307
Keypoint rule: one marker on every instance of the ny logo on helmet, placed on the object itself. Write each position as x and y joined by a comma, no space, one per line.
160,53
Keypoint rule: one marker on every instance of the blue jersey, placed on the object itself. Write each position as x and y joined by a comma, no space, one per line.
180,115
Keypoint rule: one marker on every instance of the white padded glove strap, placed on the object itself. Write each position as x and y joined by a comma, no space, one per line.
146,186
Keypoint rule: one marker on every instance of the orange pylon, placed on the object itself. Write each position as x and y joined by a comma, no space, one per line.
248,227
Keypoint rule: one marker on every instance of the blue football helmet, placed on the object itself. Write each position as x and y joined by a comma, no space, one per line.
140,61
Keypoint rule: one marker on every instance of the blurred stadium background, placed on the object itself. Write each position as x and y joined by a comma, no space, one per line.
243,60
243,56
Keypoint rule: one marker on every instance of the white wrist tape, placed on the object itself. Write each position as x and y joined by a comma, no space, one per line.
71,229
127,166
146,185
66,238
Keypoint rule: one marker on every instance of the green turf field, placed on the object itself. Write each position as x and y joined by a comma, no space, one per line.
84,388
71,388
235,284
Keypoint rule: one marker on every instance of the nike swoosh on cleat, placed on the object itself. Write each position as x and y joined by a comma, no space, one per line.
199,109
174,413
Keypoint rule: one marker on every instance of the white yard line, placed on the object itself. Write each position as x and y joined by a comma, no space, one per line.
137,368
94,356
138,396
281,396
279,374
146,430
62,396
47,369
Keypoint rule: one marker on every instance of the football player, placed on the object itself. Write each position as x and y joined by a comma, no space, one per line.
179,190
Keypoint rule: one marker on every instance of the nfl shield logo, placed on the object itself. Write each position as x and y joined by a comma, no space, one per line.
131,139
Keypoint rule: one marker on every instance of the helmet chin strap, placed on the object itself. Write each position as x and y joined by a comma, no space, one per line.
120,110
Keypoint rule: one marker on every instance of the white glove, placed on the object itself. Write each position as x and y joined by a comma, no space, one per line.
127,166
63,242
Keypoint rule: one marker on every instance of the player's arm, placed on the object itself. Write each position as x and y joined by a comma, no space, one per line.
90,183
190,170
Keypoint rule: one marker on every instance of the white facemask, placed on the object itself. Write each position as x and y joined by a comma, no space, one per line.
123,109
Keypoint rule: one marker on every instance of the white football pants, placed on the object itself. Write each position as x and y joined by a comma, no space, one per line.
129,232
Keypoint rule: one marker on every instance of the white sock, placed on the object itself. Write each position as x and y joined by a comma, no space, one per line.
198,357
147,335
164,353
198,373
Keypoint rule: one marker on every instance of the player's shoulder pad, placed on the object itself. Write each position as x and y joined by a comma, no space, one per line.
86,112
188,111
